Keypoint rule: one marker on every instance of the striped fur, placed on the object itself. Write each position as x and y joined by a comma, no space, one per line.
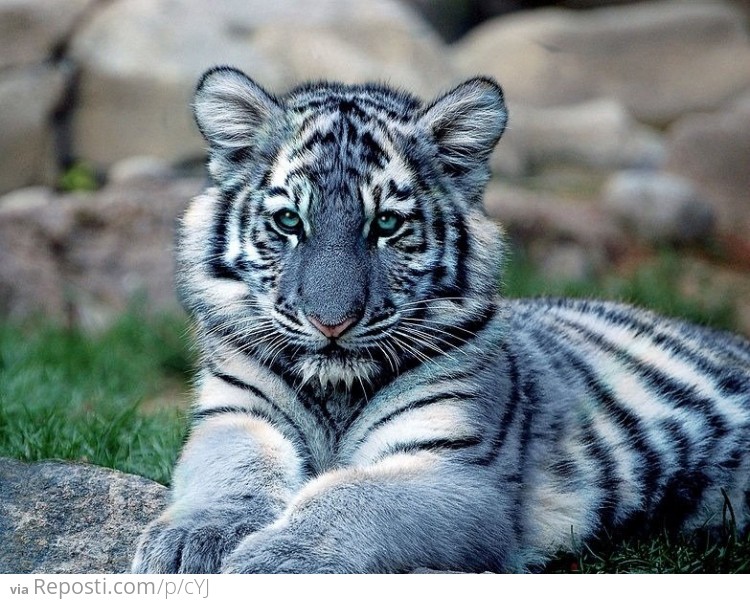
445,428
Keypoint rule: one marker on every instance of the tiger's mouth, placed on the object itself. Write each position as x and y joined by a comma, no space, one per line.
333,365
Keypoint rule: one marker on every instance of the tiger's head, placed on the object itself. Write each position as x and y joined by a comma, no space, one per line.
343,237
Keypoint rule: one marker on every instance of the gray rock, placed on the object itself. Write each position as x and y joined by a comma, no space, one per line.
58,517
599,134
135,168
407,57
660,59
82,258
140,61
31,30
659,207
548,227
28,97
713,151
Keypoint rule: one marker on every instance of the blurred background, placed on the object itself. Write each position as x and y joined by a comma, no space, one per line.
629,135
624,173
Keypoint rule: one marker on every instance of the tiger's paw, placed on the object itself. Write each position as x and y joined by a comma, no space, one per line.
282,550
190,545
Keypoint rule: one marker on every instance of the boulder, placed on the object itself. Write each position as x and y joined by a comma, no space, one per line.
29,97
713,151
32,31
659,207
58,517
599,134
141,59
83,258
574,238
360,52
660,59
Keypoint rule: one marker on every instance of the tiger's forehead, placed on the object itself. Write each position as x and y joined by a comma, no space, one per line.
337,156
362,101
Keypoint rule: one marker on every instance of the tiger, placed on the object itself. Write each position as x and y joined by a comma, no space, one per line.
368,402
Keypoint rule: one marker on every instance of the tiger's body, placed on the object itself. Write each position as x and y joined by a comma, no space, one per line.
368,404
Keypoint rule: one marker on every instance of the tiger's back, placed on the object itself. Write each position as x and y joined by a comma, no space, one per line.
660,421
366,403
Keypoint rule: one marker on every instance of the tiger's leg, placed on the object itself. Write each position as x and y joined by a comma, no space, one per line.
236,474
403,512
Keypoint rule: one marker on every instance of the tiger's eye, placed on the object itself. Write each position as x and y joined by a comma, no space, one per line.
386,224
288,221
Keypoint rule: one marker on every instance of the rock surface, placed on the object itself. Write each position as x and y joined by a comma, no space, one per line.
599,134
713,151
32,30
141,59
82,258
58,517
28,97
659,207
661,59
548,227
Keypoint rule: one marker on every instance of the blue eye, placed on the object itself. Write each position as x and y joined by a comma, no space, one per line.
288,221
386,224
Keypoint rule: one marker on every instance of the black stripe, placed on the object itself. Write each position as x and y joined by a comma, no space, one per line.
463,252
372,151
440,271
452,338
680,394
397,193
673,343
620,417
233,381
219,268
433,444
414,406
205,413
510,410
609,484
277,191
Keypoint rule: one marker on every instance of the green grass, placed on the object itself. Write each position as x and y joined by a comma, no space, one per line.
80,397
95,398
654,285
697,553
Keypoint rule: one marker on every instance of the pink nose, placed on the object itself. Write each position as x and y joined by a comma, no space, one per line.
332,331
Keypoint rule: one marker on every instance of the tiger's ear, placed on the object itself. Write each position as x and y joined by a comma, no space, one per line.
466,123
234,114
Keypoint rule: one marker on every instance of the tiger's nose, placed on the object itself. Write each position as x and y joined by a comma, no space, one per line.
332,331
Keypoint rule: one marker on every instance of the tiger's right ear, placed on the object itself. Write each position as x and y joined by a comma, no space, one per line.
232,111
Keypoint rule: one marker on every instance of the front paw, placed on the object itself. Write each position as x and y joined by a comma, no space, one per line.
283,550
196,544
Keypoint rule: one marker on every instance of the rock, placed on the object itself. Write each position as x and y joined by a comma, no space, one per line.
30,280
566,261
659,207
360,52
58,517
598,134
29,97
660,59
713,151
141,59
82,259
31,31
136,168
547,226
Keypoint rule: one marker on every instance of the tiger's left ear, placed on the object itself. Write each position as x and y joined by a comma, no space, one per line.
466,123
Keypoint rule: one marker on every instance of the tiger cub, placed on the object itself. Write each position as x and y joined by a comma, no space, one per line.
366,402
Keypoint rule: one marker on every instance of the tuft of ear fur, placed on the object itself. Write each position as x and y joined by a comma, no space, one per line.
230,107
466,123
234,114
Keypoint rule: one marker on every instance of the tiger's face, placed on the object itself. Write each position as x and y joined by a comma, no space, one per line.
345,238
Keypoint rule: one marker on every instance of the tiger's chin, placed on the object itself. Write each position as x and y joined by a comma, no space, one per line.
339,371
